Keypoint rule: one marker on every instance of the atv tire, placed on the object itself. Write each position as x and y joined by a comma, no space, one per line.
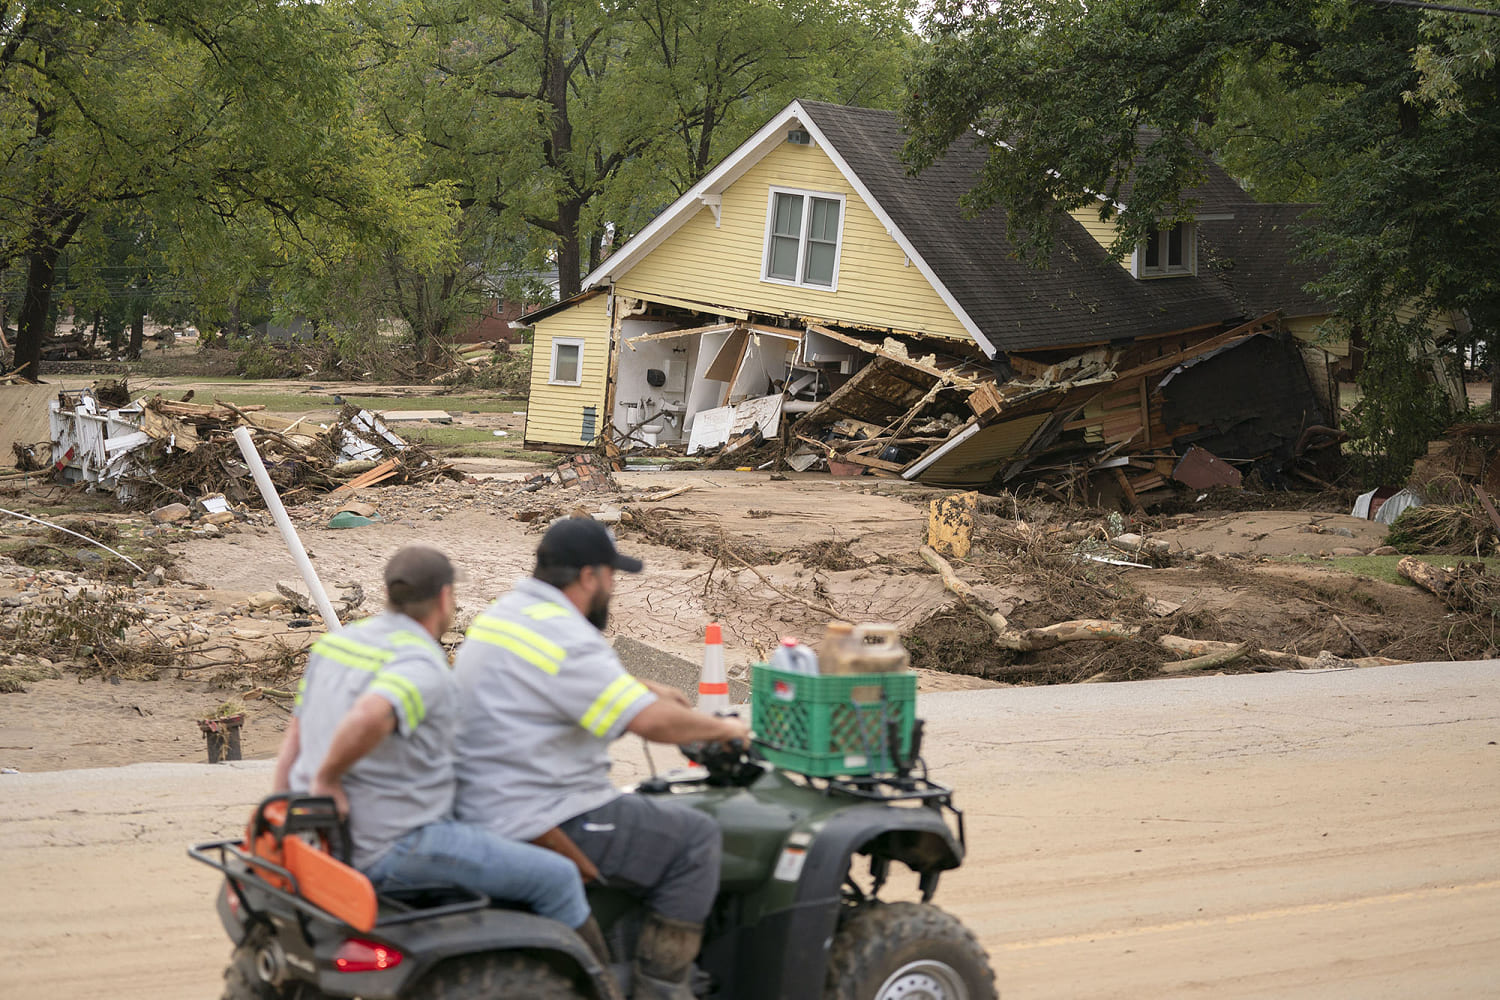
243,982
912,951
489,977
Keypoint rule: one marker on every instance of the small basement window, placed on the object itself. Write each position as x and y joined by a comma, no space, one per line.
1168,252
803,232
567,362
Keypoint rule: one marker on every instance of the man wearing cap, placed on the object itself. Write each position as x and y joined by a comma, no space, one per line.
373,728
542,696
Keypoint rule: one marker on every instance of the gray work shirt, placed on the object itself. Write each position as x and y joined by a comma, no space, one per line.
406,782
542,695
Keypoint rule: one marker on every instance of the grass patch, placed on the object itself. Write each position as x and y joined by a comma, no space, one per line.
296,401
1384,567
473,442
444,436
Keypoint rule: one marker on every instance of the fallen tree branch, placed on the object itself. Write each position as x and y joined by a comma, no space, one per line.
967,597
1205,652
1433,579
821,609
1032,639
1352,637
1209,660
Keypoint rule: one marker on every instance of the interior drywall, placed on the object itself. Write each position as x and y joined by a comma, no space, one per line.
635,398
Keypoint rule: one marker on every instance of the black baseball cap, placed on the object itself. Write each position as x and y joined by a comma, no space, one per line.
416,573
580,542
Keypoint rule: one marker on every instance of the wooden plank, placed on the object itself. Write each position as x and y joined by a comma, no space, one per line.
1135,503
739,365
873,463
695,331
908,361
727,361
381,472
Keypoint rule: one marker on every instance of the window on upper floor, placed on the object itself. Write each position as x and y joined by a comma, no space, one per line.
567,362
1168,252
803,232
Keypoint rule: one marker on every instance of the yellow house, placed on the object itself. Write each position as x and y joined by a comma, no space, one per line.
809,251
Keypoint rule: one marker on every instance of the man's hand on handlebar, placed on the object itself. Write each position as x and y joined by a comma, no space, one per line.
736,730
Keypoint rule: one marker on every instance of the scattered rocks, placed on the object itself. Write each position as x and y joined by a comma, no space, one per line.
171,513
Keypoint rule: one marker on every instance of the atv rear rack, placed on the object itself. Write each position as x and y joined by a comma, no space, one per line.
887,789
228,852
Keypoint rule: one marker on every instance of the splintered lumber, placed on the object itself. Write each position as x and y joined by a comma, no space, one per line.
1427,576
871,463
1209,660
380,473
667,495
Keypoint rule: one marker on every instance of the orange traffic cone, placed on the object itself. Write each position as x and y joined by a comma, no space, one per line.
713,686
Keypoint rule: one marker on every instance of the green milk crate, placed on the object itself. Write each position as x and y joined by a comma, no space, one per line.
829,726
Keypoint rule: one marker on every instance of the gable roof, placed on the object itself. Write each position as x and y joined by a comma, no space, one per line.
1081,296
1255,254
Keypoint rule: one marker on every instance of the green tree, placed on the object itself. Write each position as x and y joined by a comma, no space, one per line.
206,116
1073,97
564,124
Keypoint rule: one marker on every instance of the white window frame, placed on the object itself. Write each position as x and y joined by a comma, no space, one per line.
838,249
557,342
1189,266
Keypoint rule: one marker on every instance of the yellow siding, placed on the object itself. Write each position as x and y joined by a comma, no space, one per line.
554,413
1104,233
875,285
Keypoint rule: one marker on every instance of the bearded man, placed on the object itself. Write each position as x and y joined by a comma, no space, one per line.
542,696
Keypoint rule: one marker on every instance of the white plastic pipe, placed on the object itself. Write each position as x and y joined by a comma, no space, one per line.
288,533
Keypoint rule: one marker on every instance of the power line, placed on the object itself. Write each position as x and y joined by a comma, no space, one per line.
1441,8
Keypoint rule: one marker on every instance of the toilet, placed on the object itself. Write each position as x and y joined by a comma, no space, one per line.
667,421
648,433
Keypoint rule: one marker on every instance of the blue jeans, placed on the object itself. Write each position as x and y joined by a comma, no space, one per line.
451,853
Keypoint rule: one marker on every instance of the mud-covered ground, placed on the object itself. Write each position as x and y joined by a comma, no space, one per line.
765,556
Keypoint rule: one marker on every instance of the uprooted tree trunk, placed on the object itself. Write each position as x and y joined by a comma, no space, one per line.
1204,653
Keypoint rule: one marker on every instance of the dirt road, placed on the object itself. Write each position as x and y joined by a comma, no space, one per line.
1291,835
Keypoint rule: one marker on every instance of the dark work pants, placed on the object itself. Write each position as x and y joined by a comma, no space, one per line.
663,852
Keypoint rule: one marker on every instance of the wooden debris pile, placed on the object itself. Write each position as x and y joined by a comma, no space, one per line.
157,450
1113,423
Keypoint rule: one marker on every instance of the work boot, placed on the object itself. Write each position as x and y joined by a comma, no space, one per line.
664,959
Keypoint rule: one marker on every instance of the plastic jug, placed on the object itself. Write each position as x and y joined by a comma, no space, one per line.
863,649
795,657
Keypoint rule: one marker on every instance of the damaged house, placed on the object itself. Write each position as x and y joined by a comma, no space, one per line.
809,291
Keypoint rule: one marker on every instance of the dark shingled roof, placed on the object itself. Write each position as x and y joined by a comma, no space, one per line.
1255,254
1082,295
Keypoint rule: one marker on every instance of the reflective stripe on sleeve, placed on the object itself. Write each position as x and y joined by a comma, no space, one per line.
539,651
405,691
405,638
623,692
545,610
301,690
360,656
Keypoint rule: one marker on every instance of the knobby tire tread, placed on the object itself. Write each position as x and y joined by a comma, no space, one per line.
870,945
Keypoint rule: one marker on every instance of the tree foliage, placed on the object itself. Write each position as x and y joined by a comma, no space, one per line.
1387,118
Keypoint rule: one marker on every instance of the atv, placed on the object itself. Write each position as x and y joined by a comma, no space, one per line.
798,914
